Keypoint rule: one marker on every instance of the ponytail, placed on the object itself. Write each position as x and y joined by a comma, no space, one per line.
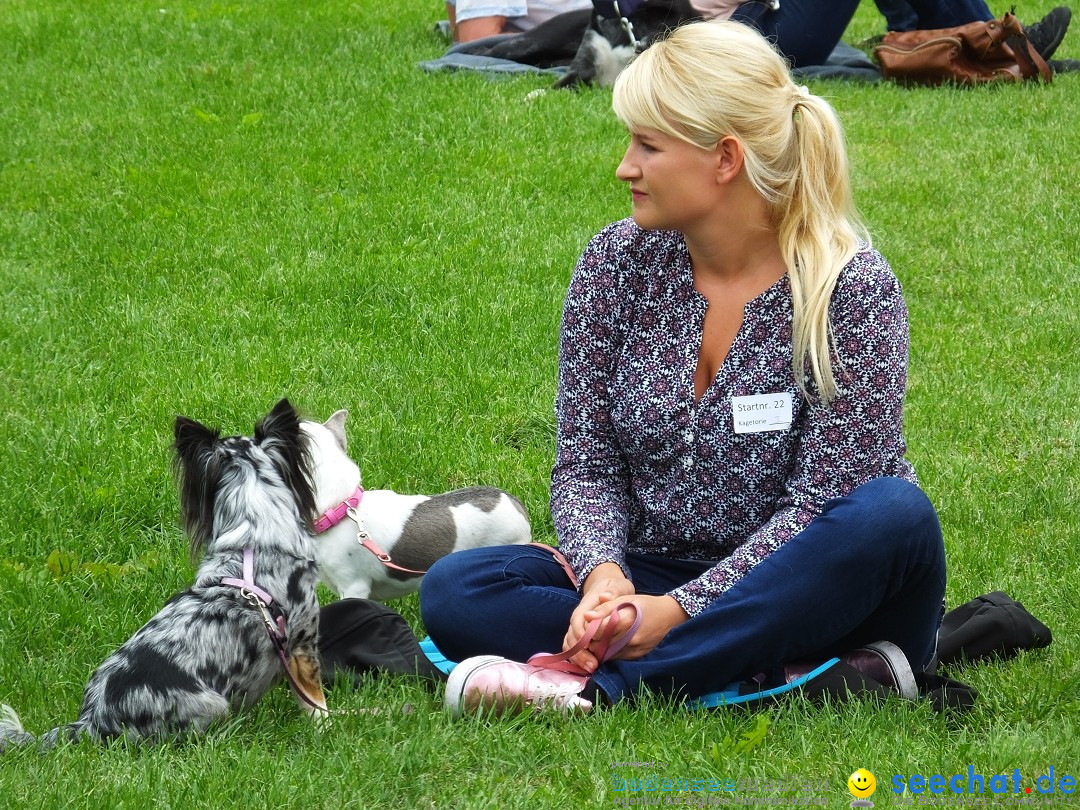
708,80
819,232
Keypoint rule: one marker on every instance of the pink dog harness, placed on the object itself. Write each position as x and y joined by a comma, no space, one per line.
261,601
347,509
247,584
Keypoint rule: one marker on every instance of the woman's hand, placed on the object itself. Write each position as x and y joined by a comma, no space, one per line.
604,583
658,615
605,588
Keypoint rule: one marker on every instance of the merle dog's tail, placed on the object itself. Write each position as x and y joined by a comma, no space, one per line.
11,730
13,735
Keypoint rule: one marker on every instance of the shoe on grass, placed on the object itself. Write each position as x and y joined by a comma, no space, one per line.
495,685
882,663
1047,33
549,681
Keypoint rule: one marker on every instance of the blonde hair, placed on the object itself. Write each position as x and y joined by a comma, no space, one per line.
708,80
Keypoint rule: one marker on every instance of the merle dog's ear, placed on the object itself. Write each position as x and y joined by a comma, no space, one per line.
280,437
281,422
336,425
198,471
192,436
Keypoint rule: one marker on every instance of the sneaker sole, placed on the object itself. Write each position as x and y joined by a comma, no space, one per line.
898,665
459,676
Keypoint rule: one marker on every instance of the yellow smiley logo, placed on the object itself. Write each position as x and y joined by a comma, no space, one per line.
862,784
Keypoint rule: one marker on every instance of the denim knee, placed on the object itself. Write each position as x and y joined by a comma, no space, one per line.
894,504
459,588
440,590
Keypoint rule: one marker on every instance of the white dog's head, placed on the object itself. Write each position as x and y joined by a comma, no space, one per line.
334,474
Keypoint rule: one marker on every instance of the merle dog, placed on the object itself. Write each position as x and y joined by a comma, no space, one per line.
595,44
252,612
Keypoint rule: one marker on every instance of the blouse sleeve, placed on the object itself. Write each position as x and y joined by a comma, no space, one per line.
589,481
854,439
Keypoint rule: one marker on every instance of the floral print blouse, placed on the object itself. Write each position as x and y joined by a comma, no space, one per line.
641,466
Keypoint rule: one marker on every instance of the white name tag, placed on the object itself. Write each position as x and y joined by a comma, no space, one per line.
761,412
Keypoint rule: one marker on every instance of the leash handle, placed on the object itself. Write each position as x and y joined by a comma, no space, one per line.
608,650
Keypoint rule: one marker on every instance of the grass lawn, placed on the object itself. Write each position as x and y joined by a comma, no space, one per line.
206,205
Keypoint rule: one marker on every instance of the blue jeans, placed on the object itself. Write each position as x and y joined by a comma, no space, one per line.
899,15
870,568
909,15
807,31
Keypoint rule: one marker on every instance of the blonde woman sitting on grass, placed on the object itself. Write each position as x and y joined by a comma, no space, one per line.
730,488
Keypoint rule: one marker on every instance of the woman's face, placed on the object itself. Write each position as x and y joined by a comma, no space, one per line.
673,184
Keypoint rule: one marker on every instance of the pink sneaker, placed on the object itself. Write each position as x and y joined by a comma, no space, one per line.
499,685
547,681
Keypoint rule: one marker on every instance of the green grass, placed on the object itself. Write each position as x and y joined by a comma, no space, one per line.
206,206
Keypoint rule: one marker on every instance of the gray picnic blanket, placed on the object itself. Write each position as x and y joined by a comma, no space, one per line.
463,57
845,62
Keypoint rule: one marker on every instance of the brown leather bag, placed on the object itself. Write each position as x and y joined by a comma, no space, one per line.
975,53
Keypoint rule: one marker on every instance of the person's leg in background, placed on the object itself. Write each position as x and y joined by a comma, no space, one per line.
805,31
471,20
931,14
899,15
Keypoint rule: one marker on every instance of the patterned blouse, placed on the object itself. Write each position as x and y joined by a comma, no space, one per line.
641,466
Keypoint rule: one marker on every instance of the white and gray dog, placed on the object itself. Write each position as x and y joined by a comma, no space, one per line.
378,544
252,612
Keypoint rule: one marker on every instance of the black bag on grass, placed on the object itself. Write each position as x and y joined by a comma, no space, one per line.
357,636
994,625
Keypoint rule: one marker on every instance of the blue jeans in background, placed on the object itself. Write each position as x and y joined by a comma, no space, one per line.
870,568
923,15
807,31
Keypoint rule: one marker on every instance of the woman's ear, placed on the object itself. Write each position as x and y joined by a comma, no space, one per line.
729,158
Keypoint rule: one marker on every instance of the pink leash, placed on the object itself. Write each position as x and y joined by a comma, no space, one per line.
561,560
608,649
261,600
347,509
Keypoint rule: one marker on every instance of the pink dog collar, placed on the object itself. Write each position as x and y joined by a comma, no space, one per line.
332,517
